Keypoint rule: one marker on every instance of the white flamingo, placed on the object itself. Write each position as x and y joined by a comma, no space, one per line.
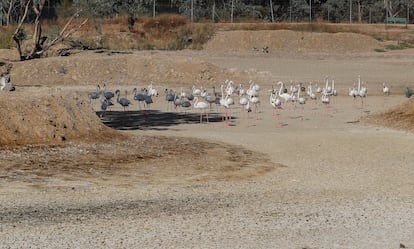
202,106
318,89
334,91
325,98
385,89
275,101
242,91
183,94
152,91
243,100
230,88
362,91
301,100
226,101
310,92
196,91
328,89
285,96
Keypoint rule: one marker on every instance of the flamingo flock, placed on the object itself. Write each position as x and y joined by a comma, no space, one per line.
245,98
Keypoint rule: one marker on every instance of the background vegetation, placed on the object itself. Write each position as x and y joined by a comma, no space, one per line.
176,24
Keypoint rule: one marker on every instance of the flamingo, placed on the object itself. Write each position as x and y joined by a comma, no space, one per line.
243,101
230,88
108,95
242,91
169,97
94,95
152,91
285,96
196,91
328,89
148,101
301,99
140,97
362,91
385,89
177,101
275,101
203,93
325,98
225,102
211,100
293,89
183,93
334,91
318,89
124,102
104,105
202,106
311,94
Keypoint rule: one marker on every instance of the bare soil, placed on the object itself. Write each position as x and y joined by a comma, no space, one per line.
313,176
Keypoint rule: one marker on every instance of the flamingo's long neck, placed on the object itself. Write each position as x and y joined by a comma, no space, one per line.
359,84
195,101
280,89
251,84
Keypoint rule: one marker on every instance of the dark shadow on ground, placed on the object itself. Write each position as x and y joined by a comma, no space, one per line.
152,119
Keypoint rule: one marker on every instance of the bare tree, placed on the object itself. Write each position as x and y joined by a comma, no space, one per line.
41,43
7,8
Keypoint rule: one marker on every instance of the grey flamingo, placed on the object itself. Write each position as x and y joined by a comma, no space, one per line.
124,102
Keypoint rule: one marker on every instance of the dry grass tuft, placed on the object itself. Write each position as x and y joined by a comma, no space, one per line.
163,23
6,40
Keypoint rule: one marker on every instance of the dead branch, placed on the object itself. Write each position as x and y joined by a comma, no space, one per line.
39,47
19,26
62,36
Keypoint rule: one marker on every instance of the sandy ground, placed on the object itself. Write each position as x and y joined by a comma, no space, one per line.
311,176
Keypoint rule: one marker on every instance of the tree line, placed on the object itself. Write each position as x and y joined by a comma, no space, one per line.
335,11
20,12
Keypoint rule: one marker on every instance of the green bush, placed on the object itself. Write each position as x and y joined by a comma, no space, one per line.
21,35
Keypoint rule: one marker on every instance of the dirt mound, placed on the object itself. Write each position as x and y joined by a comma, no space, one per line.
136,68
401,117
31,116
291,41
